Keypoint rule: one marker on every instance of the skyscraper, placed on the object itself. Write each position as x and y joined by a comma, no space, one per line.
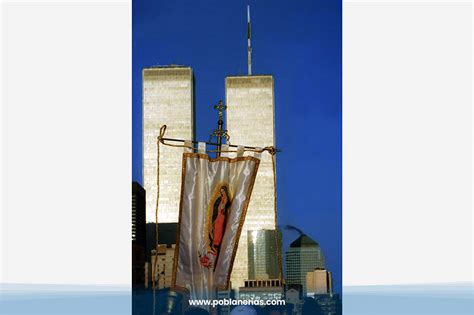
304,255
138,215
262,248
250,121
168,98
138,234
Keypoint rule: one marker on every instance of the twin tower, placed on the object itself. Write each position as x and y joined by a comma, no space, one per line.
168,99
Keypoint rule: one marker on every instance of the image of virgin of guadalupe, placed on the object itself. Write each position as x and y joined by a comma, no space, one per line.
218,212
219,219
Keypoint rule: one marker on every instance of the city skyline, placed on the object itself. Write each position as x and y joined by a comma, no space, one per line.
305,61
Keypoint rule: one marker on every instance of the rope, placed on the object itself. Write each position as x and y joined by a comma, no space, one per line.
155,267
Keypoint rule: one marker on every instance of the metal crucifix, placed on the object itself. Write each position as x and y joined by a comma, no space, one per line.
220,132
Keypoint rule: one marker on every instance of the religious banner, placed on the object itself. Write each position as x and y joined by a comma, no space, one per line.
215,194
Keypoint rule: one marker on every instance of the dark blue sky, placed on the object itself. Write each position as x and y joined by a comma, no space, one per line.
300,44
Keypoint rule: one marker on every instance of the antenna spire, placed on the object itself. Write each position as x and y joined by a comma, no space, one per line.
249,44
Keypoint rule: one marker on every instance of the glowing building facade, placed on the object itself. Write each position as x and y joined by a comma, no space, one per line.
167,98
318,281
250,121
262,248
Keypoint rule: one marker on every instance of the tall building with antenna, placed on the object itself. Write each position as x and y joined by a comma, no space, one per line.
250,121
249,42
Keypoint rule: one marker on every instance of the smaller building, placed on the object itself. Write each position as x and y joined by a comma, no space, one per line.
294,296
163,261
167,233
138,235
225,295
304,255
318,281
330,304
138,215
269,289
264,250
167,238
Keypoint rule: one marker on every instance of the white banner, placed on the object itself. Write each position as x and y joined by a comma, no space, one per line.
215,194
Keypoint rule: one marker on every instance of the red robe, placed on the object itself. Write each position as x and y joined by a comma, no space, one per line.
219,222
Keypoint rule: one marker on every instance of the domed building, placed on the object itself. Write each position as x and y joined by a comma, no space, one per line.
304,255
